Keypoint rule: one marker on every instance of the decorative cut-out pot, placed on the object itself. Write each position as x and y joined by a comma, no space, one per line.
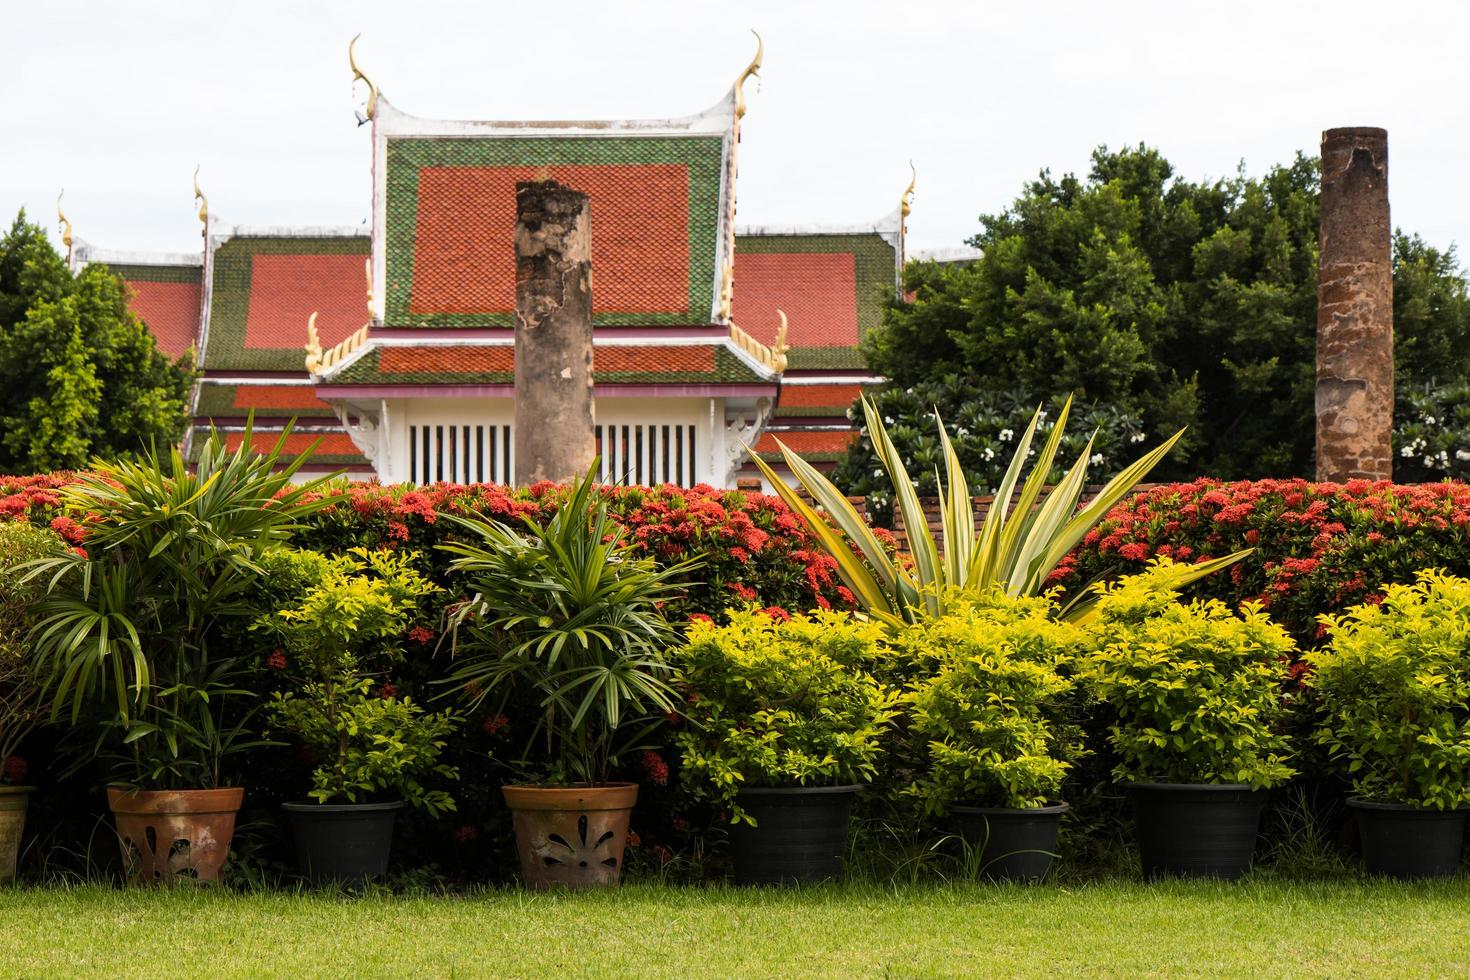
1196,830
571,836
343,843
1402,841
13,801
799,837
1012,844
174,836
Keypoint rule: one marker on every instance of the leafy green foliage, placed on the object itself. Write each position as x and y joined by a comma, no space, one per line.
992,708
1393,687
983,426
567,612
80,375
128,627
340,621
781,703
376,746
1196,690
22,688
1188,304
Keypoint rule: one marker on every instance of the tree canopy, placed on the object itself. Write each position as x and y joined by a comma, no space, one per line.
1177,302
80,375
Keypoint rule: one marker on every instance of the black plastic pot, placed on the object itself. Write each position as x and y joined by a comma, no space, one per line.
1196,830
1013,844
1410,842
343,843
799,837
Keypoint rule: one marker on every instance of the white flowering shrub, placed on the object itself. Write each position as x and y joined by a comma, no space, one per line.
1431,435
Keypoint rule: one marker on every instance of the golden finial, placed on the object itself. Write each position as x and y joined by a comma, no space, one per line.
201,200
906,201
372,100
65,224
780,347
754,68
727,291
313,346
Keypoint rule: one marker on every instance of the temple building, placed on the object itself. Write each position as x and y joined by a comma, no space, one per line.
394,343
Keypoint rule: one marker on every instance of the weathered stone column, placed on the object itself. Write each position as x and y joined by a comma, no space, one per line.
554,437
1354,309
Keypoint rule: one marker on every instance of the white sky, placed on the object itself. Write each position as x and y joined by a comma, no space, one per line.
118,101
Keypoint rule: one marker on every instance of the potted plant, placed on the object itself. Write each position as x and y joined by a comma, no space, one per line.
991,714
130,638
1195,693
340,623
784,723
1392,690
22,690
565,614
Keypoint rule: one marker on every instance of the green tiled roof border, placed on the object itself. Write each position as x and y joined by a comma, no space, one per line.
406,155
201,433
728,369
219,400
874,265
230,299
155,273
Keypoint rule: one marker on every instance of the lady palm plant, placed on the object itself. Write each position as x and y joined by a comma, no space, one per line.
1016,547
130,628
565,613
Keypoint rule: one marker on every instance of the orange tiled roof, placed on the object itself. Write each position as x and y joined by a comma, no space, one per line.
464,263
286,289
819,442
817,291
171,311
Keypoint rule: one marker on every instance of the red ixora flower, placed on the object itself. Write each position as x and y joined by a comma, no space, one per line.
386,691
633,839
14,769
664,854
421,634
465,834
495,724
277,660
777,613
655,768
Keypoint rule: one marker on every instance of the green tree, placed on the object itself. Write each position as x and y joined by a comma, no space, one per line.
80,375
1181,303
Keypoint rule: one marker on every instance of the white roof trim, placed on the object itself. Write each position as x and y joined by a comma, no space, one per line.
714,121
294,231
950,253
886,227
84,253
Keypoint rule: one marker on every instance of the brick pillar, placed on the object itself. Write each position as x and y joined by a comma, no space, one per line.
554,437
1354,309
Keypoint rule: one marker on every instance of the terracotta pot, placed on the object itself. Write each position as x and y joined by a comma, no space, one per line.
571,836
173,836
12,822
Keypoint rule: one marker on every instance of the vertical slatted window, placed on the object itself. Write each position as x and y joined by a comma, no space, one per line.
459,453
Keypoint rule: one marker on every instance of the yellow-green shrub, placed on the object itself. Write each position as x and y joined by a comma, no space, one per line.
1393,686
780,703
1196,689
990,706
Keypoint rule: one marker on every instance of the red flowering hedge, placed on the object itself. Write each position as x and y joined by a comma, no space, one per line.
1319,547
752,548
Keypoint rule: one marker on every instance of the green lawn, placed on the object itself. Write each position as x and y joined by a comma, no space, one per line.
1116,929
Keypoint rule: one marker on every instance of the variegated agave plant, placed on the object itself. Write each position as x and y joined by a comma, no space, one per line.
1016,547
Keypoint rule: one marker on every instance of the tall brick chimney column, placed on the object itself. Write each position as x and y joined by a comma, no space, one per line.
554,437
1354,309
